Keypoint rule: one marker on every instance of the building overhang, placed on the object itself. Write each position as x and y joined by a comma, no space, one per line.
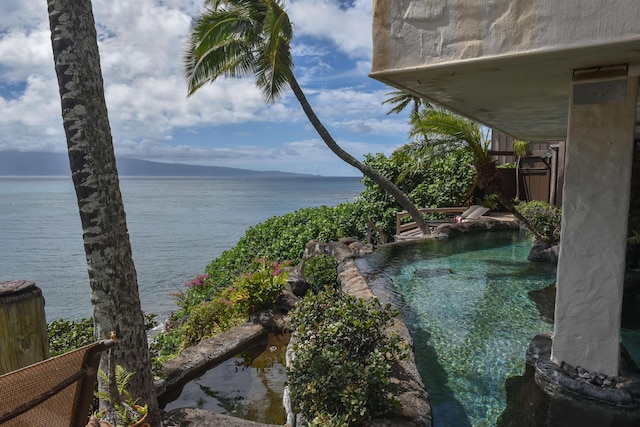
521,90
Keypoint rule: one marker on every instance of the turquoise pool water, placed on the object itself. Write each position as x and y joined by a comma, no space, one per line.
466,304
469,305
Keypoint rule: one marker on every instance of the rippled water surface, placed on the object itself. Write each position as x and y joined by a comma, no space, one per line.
466,303
176,225
469,305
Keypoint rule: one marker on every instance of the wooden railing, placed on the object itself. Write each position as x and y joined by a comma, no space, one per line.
372,229
401,228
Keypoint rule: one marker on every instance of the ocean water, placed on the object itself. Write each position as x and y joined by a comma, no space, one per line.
176,226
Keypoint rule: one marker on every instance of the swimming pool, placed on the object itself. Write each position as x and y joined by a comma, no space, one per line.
468,303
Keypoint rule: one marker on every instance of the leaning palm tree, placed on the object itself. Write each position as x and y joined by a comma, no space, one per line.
438,127
237,38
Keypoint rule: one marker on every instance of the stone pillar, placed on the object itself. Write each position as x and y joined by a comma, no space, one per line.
595,207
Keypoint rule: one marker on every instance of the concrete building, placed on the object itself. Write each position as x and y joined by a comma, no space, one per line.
541,70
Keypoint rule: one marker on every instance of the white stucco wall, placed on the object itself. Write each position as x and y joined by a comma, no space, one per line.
411,33
595,211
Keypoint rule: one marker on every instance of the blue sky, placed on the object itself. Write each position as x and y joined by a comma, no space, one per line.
224,124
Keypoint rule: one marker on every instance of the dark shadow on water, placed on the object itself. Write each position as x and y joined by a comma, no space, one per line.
545,301
430,273
447,410
516,269
529,406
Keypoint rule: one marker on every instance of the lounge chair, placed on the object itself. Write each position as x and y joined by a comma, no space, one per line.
56,392
473,213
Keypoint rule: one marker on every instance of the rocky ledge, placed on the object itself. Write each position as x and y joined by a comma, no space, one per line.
579,385
475,226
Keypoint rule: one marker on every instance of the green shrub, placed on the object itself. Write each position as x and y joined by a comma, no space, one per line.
435,181
343,359
164,346
320,271
544,218
489,201
252,291
208,319
226,308
67,335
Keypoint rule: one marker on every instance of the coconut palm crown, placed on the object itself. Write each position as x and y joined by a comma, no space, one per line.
239,38
401,100
441,128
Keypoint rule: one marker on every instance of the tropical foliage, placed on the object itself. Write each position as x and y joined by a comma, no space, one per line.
402,100
437,130
430,181
208,309
122,407
340,373
320,271
66,335
520,148
260,288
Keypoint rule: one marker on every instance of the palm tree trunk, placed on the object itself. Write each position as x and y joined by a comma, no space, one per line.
518,178
494,186
368,171
112,274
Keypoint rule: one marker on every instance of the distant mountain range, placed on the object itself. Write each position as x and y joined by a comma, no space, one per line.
15,163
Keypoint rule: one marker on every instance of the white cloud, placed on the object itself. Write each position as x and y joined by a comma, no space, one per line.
22,14
140,37
33,121
141,45
24,54
304,49
348,28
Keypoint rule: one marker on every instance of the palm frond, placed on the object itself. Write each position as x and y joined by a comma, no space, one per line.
402,100
274,61
238,38
221,45
442,126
